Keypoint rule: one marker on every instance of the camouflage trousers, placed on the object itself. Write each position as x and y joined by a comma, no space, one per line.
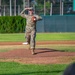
30,38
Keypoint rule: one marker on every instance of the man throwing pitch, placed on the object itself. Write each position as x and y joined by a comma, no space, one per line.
30,31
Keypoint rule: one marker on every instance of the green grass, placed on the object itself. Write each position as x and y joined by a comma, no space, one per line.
4,50
19,37
12,37
12,68
63,48
39,37
56,36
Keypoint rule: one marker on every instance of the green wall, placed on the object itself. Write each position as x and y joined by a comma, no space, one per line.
56,24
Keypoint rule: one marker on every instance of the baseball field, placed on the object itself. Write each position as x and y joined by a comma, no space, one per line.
53,50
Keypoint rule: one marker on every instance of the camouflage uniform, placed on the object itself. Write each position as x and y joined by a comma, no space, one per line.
30,31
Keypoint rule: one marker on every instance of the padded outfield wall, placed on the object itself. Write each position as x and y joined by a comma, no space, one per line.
56,24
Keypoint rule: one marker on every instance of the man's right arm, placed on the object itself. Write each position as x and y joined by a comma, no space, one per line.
22,14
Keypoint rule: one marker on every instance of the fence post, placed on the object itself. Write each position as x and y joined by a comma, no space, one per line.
62,7
51,9
23,3
0,7
14,7
18,9
28,3
44,7
10,9
4,11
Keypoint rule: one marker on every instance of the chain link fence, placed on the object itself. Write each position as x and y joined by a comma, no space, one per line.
45,8
5,10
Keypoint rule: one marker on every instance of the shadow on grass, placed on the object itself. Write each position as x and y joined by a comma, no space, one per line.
35,73
45,50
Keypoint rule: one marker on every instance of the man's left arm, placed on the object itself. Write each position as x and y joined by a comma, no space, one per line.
38,17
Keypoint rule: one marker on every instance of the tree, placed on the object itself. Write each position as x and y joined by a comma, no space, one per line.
40,1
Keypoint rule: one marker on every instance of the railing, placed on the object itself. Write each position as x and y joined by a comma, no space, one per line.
53,9
5,10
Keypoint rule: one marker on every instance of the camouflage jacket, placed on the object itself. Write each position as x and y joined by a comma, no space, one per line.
30,25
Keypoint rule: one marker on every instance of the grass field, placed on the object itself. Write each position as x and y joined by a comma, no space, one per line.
19,37
63,48
12,68
39,37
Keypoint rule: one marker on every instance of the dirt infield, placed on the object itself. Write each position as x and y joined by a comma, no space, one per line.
42,56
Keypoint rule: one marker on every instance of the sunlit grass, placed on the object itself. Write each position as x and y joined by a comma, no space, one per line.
64,48
12,68
39,36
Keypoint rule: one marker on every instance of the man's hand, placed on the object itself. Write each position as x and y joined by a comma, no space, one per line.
34,19
28,8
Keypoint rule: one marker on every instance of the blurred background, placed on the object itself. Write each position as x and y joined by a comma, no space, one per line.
41,7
